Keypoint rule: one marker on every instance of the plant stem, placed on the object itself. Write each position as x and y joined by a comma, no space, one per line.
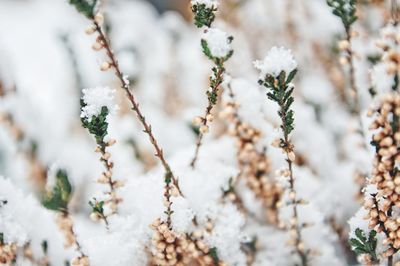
66,215
288,147
209,108
108,166
135,105
355,107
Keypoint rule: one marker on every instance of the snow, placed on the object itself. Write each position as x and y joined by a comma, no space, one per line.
169,75
97,98
278,59
207,3
218,42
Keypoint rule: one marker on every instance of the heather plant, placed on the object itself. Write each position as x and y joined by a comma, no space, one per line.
272,184
96,105
216,45
278,69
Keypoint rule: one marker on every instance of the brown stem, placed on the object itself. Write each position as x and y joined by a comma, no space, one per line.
135,105
355,107
65,214
209,108
288,147
108,166
382,225
390,261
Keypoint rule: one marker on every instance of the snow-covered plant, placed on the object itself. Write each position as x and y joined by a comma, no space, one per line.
346,11
216,45
102,43
381,196
278,69
96,104
243,200
204,12
382,202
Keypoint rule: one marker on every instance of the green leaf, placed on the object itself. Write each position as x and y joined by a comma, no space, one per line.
361,245
44,246
206,49
98,125
97,206
59,197
214,255
291,76
360,234
168,177
203,16
86,7
345,10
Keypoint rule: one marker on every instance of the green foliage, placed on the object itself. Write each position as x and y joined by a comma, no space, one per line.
396,82
345,10
168,177
59,197
219,61
86,7
203,16
98,126
280,91
362,245
97,206
45,247
214,255
195,129
1,238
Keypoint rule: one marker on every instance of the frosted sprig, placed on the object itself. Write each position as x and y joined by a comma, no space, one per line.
217,43
96,98
204,12
207,3
278,59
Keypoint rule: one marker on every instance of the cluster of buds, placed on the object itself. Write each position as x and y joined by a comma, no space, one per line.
8,253
202,122
100,42
390,45
172,248
254,165
385,174
106,178
80,261
7,120
346,50
65,223
387,141
28,255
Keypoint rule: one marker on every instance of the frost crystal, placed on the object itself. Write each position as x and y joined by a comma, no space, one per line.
207,3
218,42
278,59
95,99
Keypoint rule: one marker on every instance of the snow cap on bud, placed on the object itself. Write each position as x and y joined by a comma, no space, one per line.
278,59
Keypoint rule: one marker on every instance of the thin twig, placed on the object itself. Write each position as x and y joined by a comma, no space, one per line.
204,120
135,105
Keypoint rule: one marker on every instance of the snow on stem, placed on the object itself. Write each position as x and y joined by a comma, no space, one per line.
216,46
